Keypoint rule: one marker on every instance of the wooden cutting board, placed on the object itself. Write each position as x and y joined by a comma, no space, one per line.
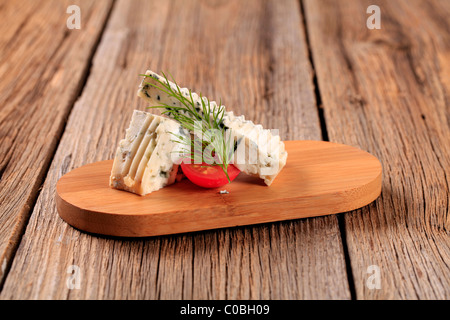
320,178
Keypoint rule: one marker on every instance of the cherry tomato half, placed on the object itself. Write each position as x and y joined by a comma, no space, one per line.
208,176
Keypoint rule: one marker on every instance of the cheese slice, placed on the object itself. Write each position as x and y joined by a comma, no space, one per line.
258,151
147,158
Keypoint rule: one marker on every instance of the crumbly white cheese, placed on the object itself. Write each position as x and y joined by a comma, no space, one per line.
258,151
146,159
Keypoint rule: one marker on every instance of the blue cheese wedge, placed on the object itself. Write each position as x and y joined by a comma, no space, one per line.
147,158
258,151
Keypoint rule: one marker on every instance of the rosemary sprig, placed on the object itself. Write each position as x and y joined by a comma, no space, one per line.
215,147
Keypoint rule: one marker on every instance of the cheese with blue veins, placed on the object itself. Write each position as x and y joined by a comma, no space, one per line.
259,151
147,158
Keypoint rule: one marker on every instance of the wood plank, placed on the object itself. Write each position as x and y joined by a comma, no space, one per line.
387,91
41,73
252,55
336,178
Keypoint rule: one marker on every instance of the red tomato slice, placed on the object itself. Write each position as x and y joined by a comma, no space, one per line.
208,176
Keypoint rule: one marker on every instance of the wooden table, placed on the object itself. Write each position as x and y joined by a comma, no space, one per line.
312,69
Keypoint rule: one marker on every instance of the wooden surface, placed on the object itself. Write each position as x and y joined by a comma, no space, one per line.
320,178
43,66
308,68
388,92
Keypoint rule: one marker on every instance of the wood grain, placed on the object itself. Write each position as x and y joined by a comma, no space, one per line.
334,178
387,91
42,68
253,55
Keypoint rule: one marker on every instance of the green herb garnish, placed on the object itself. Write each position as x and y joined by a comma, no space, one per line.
212,142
